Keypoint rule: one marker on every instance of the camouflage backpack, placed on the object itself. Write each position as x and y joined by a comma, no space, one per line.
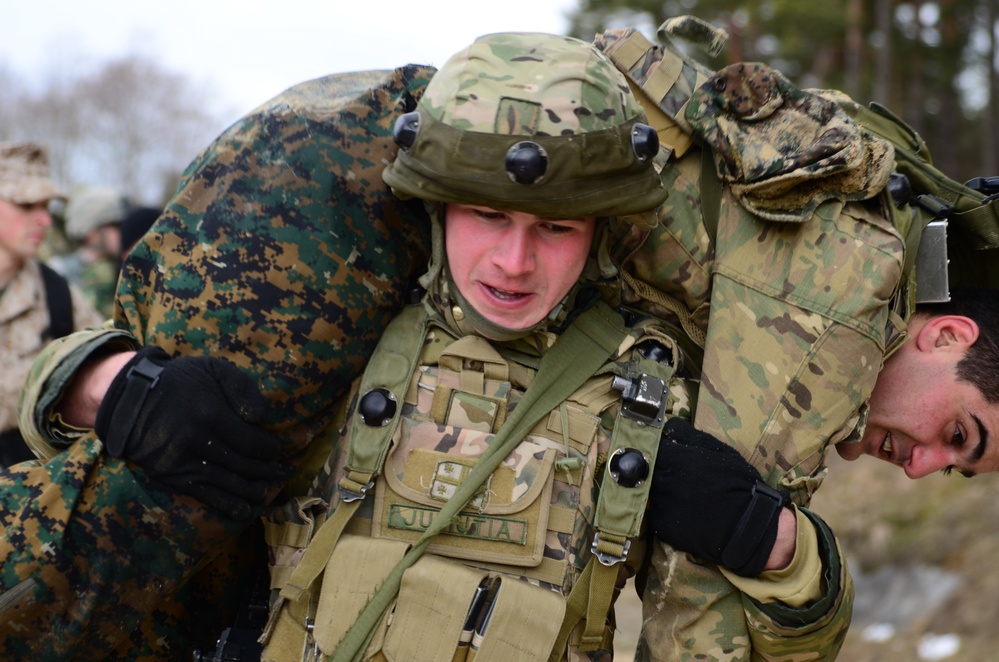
788,175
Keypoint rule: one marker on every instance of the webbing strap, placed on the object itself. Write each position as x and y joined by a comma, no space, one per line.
601,594
319,551
578,354
594,587
982,223
575,609
620,508
391,367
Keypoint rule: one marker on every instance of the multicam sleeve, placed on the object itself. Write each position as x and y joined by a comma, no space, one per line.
693,610
815,630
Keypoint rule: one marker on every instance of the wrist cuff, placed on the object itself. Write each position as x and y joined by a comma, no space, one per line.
749,547
124,400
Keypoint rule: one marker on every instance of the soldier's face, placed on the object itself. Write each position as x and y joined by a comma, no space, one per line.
922,417
513,267
23,228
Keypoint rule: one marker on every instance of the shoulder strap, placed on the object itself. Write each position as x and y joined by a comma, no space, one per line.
59,303
620,505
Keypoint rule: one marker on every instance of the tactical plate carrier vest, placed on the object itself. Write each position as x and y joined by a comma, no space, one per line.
494,583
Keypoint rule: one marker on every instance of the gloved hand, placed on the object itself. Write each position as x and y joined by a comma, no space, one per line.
706,499
192,423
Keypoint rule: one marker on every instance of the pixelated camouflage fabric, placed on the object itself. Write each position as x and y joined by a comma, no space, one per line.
282,251
782,150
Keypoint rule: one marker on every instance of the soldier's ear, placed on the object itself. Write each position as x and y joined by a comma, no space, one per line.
947,333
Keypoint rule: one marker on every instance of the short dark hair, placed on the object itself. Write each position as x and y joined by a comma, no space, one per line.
980,366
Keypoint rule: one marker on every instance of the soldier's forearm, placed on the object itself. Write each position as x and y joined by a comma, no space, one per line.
84,394
784,547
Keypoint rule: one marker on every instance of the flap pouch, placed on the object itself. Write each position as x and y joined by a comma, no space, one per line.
523,624
434,602
358,566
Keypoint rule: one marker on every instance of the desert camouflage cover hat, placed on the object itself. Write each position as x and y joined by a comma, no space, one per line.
25,177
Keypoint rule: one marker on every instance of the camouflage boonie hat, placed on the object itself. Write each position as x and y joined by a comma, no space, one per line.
529,122
90,207
24,174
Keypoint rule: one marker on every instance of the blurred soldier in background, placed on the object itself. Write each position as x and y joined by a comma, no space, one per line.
135,225
36,303
93,215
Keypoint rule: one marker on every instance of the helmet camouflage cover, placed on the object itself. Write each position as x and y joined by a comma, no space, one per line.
529,122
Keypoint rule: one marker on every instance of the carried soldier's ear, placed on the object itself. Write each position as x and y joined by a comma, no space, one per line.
947,332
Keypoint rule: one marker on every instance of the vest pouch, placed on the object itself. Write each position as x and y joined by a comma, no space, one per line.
432,608
435,604
358,566
506,522
523,624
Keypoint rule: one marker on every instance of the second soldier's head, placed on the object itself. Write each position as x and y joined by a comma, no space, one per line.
534,158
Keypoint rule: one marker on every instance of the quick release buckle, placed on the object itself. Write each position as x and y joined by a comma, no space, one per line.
346,495
607,558
643,398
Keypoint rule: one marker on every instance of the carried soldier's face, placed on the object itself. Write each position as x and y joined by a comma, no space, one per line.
514,267
923,417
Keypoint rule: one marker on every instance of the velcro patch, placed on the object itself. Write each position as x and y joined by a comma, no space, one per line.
466,525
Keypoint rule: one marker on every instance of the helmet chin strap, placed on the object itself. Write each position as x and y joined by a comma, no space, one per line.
473,321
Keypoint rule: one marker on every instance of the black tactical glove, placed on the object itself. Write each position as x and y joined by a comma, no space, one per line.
191,424
706,499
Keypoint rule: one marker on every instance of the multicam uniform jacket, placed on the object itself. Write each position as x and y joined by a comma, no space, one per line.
97,556
790,275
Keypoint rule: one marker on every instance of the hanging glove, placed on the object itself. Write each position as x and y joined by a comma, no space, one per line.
191,423
706,499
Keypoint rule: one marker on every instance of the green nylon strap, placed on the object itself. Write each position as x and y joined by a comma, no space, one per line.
618,515
575,609
620,509
391,367
319,551
578,354
975,215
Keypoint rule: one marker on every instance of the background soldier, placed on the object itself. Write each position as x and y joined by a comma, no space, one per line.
36,304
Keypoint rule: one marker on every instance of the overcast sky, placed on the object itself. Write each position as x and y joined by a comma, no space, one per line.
250,50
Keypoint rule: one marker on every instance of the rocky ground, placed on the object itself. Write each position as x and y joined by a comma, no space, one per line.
925,556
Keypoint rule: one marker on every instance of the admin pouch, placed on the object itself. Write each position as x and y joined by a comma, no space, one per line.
496,579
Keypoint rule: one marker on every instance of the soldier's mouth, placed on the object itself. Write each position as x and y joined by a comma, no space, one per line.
887,446
505,295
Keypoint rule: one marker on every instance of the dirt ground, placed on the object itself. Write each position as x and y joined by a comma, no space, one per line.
949,524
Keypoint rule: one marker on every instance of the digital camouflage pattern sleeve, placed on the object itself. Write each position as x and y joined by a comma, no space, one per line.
283,252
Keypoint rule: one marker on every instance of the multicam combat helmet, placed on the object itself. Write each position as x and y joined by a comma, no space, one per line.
530,122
